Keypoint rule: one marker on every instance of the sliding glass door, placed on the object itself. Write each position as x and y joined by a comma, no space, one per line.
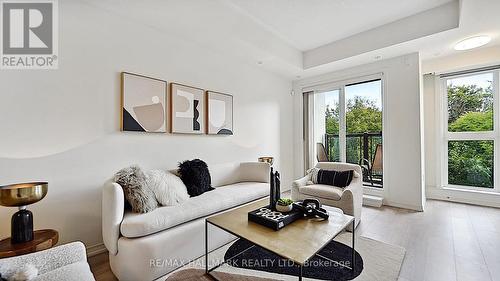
346,122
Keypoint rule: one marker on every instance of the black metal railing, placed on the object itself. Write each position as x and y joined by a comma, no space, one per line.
359,146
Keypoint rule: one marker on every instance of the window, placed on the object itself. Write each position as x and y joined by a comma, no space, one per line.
471,131
346,119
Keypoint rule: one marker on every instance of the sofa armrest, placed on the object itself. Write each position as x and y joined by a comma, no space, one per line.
47,260
296,184
354,193
113,205
254,172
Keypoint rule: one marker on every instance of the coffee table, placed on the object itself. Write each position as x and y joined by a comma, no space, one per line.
297,242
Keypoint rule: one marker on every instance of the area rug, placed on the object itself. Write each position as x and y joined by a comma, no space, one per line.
381,262
333,262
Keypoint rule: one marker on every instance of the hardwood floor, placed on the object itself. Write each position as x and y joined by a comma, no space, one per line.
447,242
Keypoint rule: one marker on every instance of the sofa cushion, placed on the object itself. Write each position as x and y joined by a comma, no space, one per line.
220,199
322,191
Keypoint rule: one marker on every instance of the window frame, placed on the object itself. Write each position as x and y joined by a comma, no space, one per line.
340,86
446,136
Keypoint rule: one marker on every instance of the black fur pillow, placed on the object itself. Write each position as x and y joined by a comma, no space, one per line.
196,177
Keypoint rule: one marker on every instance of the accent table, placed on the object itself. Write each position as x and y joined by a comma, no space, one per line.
297,242
43,239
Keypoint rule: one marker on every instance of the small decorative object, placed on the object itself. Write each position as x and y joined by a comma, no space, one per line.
311,208
187,109
267,159
20,195
276,220
144,103
220,113
284,205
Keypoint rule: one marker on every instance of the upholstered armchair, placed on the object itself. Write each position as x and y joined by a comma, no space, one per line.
349,199
66,262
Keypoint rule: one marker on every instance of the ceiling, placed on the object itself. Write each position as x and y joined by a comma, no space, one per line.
276,34
308,24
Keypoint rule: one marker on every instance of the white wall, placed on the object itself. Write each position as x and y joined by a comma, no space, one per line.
63,125
403,120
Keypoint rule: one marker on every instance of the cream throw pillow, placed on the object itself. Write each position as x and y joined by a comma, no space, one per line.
168,188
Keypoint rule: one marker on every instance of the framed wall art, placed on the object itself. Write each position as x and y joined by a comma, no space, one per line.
220,113
144,103
187,109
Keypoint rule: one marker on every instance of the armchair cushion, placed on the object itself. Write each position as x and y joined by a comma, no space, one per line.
335,178
322,191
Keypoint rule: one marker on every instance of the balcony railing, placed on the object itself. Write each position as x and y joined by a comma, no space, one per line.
359,146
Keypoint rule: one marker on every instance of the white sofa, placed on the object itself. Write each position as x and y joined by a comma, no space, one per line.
65,263
149,246
349,199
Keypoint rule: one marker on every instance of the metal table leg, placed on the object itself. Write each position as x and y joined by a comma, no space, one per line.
353,250
206,247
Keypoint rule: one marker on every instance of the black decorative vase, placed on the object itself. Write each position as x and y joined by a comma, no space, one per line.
22,226
272,192
277,187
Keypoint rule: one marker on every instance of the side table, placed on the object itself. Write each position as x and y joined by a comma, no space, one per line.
43,239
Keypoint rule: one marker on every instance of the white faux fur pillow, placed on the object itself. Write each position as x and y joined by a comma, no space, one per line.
168,188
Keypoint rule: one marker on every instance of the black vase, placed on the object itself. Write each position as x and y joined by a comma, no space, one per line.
22,227
277,187
272,192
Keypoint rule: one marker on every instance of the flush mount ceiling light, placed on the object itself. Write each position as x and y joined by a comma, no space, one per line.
473,42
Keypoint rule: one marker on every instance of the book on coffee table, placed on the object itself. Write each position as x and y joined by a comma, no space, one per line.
273,219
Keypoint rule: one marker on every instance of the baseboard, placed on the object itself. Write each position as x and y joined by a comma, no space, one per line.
462,196
403,206
372,201
96,250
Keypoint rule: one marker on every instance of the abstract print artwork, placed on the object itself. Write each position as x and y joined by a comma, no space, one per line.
188,109
220,113
144,101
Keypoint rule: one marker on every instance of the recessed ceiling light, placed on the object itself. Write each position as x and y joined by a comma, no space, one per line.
298,76
377,57
260,62
473,42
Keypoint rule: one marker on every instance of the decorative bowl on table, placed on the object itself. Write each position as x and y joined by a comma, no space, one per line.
267,159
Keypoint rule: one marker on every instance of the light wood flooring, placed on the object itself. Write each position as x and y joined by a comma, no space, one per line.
447,242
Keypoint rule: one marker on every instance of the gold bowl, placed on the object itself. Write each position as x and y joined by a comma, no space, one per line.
267,159
22,194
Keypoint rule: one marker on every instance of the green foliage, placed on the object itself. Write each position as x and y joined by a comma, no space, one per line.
468,98
470,109
470,163
362,116
285,201
473,122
